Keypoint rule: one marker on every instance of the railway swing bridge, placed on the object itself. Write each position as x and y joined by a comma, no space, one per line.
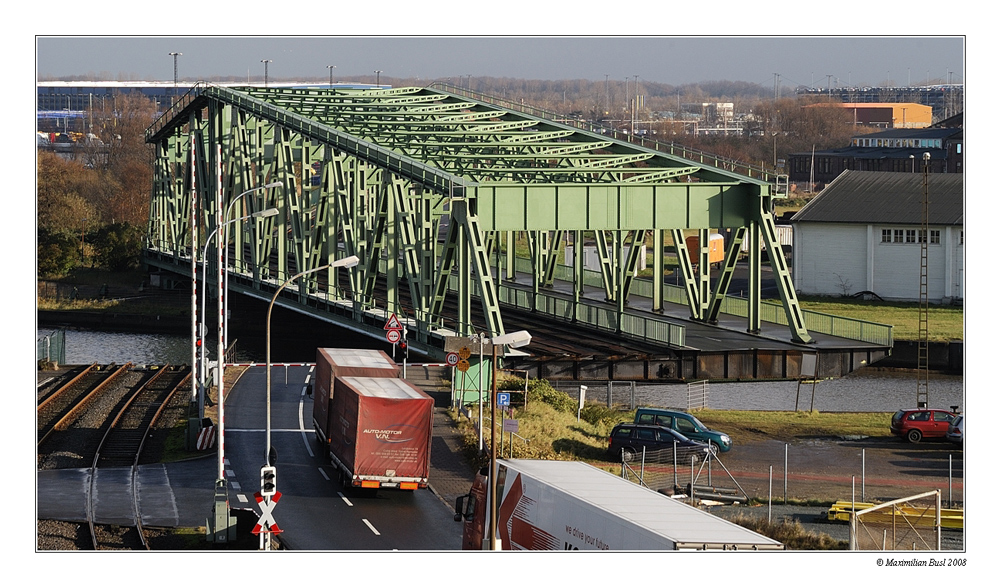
458,204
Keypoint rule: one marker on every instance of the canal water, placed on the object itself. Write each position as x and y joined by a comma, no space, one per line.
866,390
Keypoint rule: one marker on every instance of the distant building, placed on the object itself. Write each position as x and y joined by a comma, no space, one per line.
85,95
946,99
885,114
899,150
863,233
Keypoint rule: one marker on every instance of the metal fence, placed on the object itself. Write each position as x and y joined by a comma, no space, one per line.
697,475
909,523
51,347
697,395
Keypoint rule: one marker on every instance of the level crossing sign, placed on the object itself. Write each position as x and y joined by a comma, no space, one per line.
266,522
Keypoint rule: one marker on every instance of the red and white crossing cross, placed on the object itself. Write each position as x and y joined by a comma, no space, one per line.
266,522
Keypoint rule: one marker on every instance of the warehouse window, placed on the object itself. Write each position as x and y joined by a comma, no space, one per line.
886,235
911,236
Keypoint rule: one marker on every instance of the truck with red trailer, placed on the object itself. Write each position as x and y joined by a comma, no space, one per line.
570,505
378,432
331,363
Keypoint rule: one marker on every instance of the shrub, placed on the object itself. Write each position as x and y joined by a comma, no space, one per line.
117,247
57,253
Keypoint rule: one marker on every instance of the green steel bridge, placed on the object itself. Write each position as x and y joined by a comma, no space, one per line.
457,205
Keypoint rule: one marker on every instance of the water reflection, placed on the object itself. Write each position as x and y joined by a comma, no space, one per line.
867,390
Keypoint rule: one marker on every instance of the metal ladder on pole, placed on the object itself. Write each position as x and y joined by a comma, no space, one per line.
922,344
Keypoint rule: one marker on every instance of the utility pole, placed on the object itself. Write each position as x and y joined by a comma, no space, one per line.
265,62
378,72
331,68
174,55
922,345
607,96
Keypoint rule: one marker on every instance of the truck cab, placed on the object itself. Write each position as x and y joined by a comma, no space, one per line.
470,509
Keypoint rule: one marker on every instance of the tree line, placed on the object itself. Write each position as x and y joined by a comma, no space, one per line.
93,208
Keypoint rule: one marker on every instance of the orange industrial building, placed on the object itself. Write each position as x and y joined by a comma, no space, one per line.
885,114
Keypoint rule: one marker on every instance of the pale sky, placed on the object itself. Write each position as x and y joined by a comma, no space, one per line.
799,61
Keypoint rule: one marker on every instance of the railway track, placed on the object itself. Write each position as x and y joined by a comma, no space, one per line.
65,402
122,445
105,414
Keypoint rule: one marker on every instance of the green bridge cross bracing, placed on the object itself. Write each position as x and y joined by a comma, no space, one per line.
430,188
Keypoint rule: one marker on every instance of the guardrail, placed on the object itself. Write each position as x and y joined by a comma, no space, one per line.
850,328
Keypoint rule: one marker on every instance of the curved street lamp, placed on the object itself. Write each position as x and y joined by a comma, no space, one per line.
269,461
204,269
225,243
345,262
514,340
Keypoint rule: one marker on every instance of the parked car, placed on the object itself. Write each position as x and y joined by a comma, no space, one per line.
956,430
917,424
628,439
686,424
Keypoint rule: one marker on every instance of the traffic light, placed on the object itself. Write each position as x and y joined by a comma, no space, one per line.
268,481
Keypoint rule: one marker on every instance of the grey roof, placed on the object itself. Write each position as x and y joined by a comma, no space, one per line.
885,197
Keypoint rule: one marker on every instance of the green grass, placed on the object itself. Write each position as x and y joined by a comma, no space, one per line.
744,426
944,323
549,423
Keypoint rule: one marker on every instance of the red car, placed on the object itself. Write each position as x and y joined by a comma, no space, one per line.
913,425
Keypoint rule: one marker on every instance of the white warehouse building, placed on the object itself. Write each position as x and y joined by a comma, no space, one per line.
863,233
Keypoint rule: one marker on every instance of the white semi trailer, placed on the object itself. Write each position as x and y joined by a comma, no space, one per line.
570,505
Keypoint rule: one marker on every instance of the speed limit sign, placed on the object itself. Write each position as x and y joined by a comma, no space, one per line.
451,359
392,336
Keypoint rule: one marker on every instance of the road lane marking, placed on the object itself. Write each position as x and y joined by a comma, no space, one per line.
344,497
242,498
369,524
302,425
323,473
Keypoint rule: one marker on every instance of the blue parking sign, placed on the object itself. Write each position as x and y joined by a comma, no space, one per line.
503,399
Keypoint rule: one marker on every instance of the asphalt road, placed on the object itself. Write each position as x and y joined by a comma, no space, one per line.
314,511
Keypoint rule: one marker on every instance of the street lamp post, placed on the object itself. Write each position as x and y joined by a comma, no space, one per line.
345,262
378,72
225,243
222,525
269,460
515,340
201,331
331,68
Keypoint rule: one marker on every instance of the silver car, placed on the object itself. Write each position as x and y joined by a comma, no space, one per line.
956,429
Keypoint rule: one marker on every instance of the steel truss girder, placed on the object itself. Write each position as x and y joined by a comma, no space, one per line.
387,159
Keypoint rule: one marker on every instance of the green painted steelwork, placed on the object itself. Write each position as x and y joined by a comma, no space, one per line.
431,188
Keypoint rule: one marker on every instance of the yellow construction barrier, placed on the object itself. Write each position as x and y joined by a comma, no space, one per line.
917,517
